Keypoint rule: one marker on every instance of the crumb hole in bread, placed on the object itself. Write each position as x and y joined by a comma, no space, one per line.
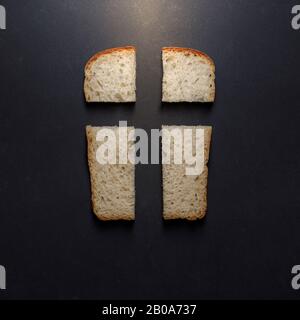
118,96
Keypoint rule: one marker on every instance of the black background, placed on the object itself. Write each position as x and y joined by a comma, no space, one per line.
50,242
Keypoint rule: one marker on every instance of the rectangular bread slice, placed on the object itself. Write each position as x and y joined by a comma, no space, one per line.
188,75
110,76
185,196
112,185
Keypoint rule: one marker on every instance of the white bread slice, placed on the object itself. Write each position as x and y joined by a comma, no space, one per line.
112,185
185,196
110,76
188,75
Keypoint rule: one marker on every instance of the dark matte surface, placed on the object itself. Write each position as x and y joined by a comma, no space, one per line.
50,242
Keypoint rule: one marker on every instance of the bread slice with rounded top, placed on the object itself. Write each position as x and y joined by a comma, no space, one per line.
110,76
188,75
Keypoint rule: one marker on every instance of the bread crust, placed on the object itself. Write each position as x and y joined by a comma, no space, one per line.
192,51
107,51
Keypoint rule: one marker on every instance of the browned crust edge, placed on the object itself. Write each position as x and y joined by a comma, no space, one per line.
191,51
107,51
124,217
189,216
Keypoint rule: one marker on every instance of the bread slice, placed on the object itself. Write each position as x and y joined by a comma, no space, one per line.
110,76
188,75
185,196
112,185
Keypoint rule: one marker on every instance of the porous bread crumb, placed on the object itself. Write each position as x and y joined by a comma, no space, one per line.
110,76
188,75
